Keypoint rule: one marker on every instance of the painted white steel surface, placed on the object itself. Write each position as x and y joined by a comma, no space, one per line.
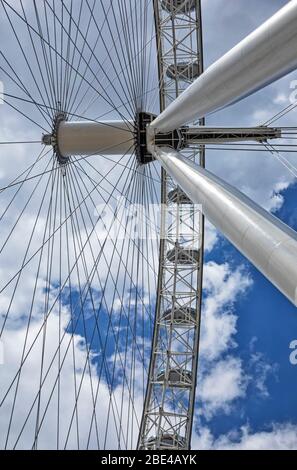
91,138
267,242
267,54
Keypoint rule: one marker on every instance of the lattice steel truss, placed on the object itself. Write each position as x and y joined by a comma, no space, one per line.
169,405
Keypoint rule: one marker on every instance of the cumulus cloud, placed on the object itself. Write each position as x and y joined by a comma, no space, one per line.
211,236
222,287
224,378
219,389
275,437
260,369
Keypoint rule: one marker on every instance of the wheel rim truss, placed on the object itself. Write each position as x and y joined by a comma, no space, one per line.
169,404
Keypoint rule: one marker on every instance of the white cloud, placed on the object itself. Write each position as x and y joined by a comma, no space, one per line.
223,377
222,287
276,437
261,370
225,383
211,236
281,98
221,381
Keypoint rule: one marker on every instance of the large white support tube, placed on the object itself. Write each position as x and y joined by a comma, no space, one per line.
267,242
91,138
267,54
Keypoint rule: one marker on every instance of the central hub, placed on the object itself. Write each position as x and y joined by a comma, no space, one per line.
52,139
142,120
169,139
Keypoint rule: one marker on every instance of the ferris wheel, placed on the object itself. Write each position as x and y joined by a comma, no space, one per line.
103,197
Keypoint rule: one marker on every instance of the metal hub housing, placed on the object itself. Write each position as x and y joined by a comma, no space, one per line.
52,139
